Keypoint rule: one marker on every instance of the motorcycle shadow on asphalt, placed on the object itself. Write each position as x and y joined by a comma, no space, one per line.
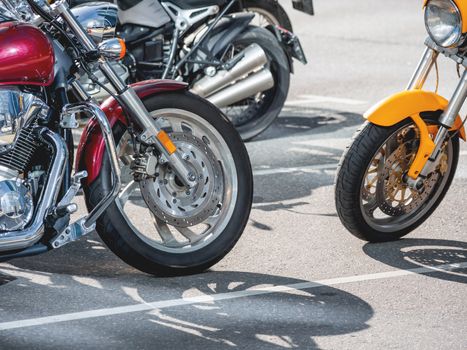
314,158
296,120
288,318
410,253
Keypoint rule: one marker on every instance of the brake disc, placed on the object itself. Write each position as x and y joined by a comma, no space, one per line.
172,202
399,198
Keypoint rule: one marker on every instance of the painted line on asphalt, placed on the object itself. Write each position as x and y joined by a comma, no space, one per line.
40,321
304,169
310,99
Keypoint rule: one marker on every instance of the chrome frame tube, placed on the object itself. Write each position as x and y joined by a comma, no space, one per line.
27,237
423,69
173,50
104,124
80,91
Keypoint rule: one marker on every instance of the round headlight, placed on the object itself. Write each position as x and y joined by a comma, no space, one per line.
443,22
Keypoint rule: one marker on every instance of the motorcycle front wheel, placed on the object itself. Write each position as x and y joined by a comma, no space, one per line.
156,224
372,197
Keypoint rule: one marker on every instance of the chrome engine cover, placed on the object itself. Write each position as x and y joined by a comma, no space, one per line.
16,201
17,110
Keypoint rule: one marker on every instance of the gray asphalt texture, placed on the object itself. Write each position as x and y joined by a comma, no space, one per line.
361,50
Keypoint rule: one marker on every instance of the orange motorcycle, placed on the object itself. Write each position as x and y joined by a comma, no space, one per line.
402,161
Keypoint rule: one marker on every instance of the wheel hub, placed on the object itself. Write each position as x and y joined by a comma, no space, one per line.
399,198
176,204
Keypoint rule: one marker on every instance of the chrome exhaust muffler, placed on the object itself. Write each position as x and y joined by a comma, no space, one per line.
27,237
249,60
256,82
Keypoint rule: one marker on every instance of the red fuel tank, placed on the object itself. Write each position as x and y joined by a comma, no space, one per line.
26,55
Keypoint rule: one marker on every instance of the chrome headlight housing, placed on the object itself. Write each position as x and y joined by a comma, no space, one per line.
99,19
443,21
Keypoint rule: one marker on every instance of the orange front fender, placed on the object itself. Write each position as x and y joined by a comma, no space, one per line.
409,104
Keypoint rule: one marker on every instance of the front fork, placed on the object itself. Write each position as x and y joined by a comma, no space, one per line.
151,133
448,117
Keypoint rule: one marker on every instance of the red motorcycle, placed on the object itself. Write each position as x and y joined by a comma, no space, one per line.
166,178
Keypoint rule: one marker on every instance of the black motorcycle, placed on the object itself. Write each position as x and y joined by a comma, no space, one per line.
240,68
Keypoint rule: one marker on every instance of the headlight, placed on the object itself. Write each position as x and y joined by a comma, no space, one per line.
443,22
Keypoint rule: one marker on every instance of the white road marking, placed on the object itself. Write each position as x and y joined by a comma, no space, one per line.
40,321
304,169
311,99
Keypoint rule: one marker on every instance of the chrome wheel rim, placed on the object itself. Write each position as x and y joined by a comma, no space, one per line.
386,202
197,231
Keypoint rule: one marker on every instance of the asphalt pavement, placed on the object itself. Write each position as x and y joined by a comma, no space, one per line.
297,278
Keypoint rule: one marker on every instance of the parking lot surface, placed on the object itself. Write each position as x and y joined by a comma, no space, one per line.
297,278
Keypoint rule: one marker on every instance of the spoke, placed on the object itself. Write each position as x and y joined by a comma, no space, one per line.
403,195
371,206
164,231
212,220
372,181
127,191
176,126
187,233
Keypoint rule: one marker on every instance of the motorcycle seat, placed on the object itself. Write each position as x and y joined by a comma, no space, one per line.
194,4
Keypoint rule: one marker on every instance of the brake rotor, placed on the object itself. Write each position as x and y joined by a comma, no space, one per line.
399,198
175,204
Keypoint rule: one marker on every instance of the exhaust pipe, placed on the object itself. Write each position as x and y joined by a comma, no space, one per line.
257,82
249,60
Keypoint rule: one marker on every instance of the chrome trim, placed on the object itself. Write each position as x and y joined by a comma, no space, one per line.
249,60
459,14
104,124
61,8
150,132
423,69
27,237
447,120
455,103
98,18
250,86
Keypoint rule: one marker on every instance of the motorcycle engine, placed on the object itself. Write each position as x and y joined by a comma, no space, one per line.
16,201
18,143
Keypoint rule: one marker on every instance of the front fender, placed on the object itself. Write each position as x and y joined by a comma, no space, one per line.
91,147
409,104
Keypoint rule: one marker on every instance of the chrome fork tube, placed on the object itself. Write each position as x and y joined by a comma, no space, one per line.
129,98
455,103
423,69
150,131
448,118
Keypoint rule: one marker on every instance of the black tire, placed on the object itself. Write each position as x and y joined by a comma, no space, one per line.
273,103
118,235
350,174
273,9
